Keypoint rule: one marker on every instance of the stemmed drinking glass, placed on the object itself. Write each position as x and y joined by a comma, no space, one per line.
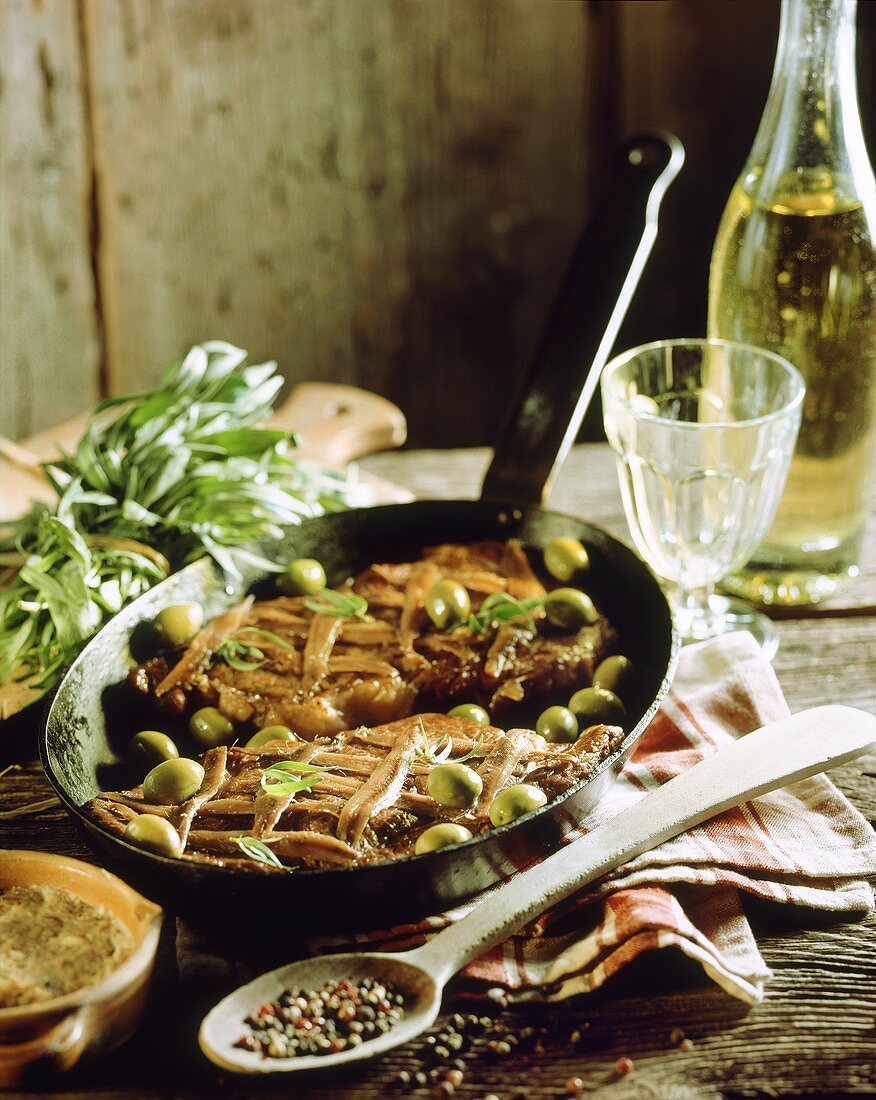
703,432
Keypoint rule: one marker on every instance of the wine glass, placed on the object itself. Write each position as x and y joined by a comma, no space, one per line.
703,431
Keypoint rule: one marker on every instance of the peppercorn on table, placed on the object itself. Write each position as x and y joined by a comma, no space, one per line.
659,1028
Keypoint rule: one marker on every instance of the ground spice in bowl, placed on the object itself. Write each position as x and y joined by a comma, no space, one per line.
53,942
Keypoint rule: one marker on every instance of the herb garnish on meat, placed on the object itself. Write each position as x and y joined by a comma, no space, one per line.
499,608
439,750
345,605
276,778
256,850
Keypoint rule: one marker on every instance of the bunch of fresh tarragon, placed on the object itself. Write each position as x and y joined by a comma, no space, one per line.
157,480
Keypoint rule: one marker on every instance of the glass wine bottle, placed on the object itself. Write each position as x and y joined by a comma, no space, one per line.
794,270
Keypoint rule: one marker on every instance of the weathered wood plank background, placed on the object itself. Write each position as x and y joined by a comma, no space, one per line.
376,191
49,321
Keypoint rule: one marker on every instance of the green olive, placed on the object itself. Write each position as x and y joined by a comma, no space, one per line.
155,834
439,836
564,557
454,785
178,624
472,712
448,603
302,577
514,802
210,727
614,674
271,733
595,706
557,724
150,747
569,609
173,782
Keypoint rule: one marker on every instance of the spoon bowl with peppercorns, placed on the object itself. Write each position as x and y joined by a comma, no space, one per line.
333,1009
327,1010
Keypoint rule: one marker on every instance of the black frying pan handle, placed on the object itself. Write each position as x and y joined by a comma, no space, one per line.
583,323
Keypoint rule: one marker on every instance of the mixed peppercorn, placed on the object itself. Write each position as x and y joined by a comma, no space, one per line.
326,1020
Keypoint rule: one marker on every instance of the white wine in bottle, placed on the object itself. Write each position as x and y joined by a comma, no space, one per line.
794,270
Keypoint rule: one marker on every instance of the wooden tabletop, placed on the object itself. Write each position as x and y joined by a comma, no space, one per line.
814,1033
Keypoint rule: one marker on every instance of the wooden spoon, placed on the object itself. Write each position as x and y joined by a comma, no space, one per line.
768,758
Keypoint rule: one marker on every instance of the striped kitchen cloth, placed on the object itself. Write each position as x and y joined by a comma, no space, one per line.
804,845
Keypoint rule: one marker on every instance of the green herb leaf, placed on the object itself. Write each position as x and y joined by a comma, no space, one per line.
257,850
475,750
435,752
276,778
501,608
242,655
345,605
438,752
299,766
268,635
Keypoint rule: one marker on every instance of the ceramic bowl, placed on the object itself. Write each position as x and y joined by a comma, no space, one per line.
41,1040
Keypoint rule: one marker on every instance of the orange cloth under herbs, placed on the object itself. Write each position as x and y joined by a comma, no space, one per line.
805,845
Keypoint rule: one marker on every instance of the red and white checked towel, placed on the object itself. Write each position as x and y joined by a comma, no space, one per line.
805,845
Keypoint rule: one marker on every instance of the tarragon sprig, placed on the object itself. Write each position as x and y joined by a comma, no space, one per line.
276,778
500,608
257,850
344,605
244,656
438,751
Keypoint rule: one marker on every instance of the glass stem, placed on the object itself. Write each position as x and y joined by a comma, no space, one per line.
694,614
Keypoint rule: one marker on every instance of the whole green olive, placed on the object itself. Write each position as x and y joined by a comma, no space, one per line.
448,603
178,624
155,834
454,785
569,609
595,706
271,733
149,747
439,836
564,557
514,802
472,712
173,782
302,577
614,674
210,727
557,724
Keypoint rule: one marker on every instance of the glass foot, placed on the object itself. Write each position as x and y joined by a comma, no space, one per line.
739,615
726,615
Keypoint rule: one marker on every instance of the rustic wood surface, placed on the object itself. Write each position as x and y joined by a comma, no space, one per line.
813,1034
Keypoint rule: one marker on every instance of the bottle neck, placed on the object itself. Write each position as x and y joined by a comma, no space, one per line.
811,127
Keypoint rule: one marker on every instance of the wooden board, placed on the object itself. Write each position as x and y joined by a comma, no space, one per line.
367,191
50,349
